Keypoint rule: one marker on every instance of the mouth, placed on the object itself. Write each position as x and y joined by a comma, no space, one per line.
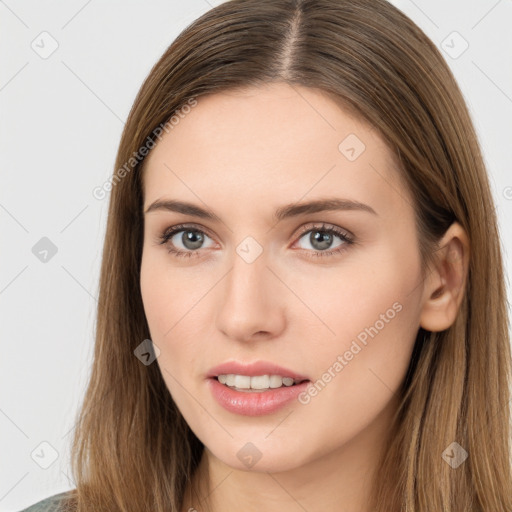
271,392
257,383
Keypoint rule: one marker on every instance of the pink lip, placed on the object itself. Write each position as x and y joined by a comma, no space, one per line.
253,369
254,403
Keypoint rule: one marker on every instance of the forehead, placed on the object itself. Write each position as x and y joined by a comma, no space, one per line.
262,143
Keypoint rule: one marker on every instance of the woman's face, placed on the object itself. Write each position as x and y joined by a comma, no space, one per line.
263,280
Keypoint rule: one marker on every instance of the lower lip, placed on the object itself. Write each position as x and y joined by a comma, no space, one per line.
254,403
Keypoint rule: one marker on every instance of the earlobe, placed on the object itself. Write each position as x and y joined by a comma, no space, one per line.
445,284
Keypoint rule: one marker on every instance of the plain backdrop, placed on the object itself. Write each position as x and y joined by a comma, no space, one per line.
68,76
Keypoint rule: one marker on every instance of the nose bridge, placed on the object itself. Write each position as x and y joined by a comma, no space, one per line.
249,302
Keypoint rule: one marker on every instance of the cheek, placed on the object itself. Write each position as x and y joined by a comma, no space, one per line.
172,305
167,294
160,305
367,312
349,296
359,369
155,295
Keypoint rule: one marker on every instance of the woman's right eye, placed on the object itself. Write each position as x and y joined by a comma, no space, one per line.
191,239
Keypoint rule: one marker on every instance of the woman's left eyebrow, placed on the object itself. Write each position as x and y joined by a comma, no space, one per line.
321,205
283,212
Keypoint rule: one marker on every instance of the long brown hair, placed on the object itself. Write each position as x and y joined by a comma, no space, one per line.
132,450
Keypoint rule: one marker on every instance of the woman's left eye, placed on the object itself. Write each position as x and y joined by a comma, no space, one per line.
320,239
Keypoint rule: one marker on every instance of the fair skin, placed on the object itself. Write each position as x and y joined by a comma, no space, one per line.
242,155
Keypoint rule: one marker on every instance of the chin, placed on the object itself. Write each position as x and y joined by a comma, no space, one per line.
260,457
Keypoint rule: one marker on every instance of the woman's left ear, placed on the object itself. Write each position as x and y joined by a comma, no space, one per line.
445,286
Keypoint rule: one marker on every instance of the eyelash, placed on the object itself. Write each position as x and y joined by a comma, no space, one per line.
166,235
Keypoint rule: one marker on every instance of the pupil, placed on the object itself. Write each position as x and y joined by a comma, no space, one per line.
192,239
320,239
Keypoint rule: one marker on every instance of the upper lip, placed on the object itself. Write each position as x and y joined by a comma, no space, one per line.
253,369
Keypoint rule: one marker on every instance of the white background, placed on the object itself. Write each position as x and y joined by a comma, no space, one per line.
61,121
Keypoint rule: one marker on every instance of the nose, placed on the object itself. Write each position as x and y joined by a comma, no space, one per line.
251,305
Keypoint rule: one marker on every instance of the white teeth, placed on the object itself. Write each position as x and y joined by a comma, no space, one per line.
242,382
287,381
256,382
260,382
275,381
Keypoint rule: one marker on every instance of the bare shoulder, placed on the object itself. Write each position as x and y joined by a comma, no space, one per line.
53,503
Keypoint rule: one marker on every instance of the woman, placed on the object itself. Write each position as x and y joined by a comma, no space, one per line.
302,300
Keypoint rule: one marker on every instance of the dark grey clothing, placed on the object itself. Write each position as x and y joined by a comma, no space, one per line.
50,504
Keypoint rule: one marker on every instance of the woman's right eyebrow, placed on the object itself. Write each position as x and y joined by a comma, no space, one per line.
284,212
172,205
